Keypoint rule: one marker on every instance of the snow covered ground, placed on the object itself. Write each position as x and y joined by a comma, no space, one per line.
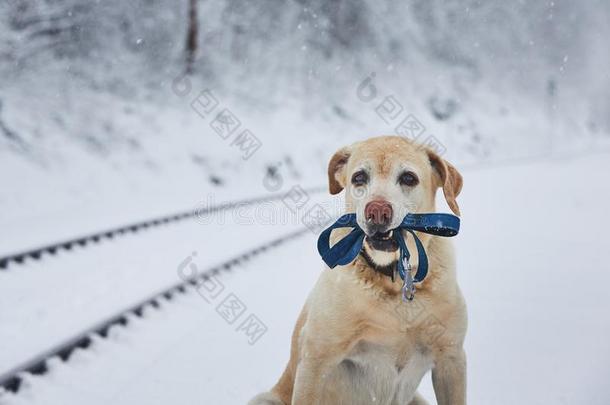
100,280
532,265
98,129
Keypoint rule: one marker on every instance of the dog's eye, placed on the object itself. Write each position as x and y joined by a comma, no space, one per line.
408,179
360,178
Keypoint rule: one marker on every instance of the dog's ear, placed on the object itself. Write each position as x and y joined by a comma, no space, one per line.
336,170
450,180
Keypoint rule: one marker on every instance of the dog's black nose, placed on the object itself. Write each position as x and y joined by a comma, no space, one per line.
378,212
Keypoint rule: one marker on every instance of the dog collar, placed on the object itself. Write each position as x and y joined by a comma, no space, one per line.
387,270
346,250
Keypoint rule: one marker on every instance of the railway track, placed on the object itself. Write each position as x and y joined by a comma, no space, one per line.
37,365
51,249
12,379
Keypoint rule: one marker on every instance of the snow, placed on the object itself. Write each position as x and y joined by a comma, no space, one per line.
97,130
103,279
531,262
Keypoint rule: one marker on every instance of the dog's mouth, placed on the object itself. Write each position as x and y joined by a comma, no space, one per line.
382,241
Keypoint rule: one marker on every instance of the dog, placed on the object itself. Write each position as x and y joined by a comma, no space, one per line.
356,341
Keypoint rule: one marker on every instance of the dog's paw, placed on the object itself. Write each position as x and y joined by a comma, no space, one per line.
266,398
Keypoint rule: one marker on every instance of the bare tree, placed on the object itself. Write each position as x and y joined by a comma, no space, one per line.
191,36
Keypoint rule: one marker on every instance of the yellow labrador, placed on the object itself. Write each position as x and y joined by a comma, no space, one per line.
356,341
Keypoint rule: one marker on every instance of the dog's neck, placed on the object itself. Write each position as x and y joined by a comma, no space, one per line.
388,270
379,267
383,262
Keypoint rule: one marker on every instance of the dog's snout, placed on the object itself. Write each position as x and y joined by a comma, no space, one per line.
378,212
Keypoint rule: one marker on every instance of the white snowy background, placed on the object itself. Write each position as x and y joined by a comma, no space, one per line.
97,130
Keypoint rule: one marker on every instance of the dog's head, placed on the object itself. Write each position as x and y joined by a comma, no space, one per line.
386,178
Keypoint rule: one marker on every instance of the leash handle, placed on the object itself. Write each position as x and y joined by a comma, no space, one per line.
346,250
438,224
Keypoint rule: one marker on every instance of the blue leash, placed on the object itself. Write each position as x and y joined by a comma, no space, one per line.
346,250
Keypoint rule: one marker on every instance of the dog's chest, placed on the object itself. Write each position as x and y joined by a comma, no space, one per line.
392,372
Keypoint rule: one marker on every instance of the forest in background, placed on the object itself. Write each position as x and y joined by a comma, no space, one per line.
88,95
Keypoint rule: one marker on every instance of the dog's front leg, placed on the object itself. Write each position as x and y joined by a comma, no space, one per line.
449,377
308,381
318,359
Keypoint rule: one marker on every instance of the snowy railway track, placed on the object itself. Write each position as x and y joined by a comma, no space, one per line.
94,238
123,306
37,365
